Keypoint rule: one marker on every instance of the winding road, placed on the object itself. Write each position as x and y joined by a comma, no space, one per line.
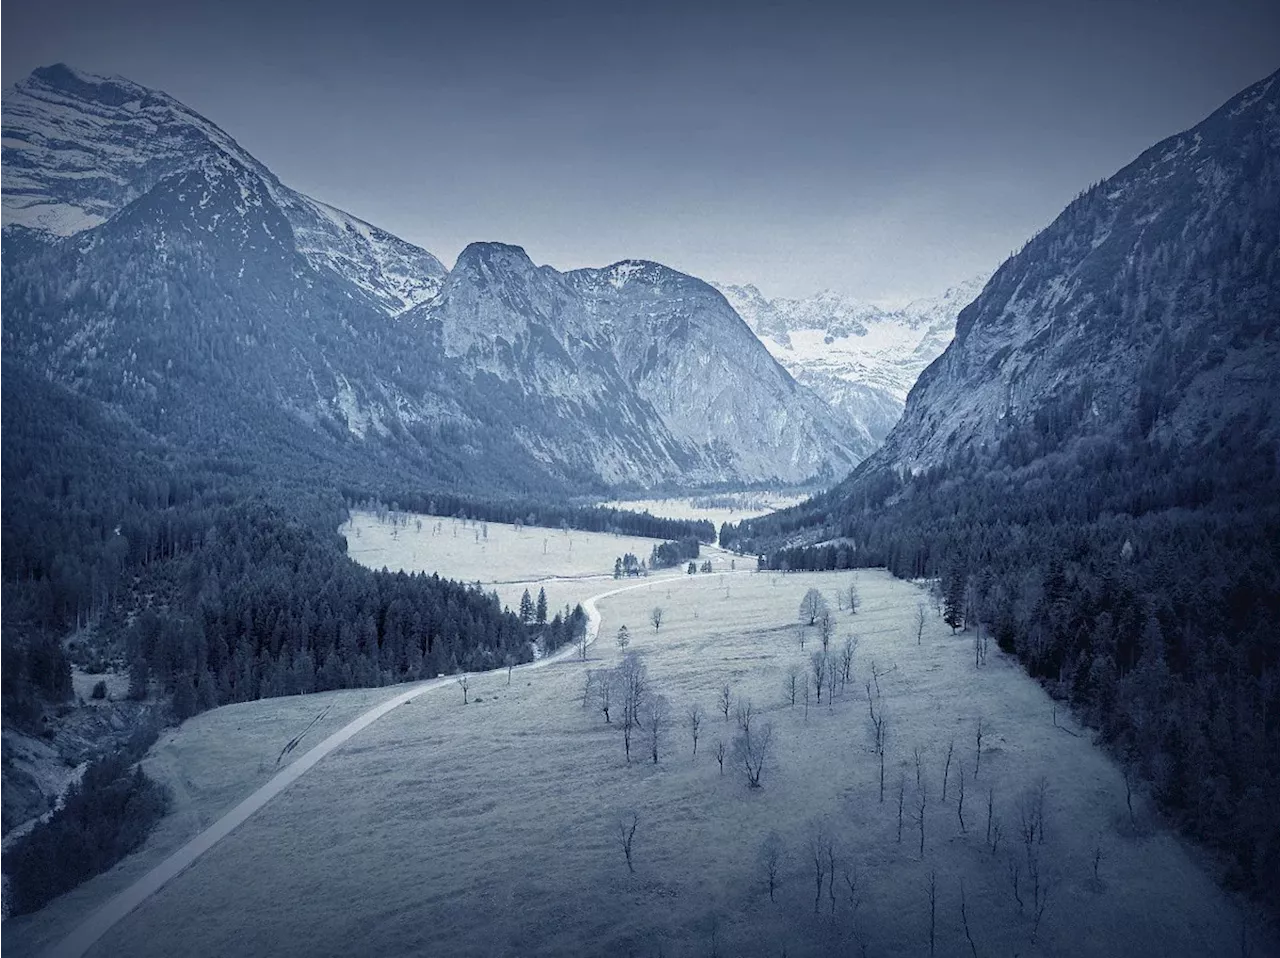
88,932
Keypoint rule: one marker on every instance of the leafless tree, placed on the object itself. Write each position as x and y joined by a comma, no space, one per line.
464,683
817,848
997,830
633,678
847,651
694,719
752,747
720,754
922,801
604,681
991,805
624,638
946,771
658,718
793,683
831,871
833,675
744,714
818,663
1128,797
806,698
933,910
655,616
826,627
917,753
854,888
977,759
882,733
726,699
811,607
854,599
1015,871
902,791
803,635
771,858
921,620
964,920
626,835
960,802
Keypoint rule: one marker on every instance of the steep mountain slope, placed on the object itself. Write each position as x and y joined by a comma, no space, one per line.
152,263
653,367
861,358
1092,471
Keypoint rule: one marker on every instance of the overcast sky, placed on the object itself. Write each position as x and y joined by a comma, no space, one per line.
885,150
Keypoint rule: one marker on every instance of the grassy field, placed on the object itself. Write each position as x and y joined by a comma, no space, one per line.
746,505
491,828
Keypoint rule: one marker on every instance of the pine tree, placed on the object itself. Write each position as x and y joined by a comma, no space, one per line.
526,607
541,614
953,600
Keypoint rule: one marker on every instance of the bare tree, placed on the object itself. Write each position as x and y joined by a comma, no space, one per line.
806,698
811,607
726,699
720,754
917,753
464,683
847,651
1014,871
854,888
921,620
752,747
771,858
964,920
633,679
855,600
817,847
694,719
818,663
793,683
655,616
659,717
977,759
881,735
902,791
991,805
833,675
922,801
933,910
745,713
946,771
960,802
1128,797
626,835
831,871
826,628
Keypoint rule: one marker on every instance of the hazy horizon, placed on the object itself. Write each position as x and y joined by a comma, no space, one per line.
884,155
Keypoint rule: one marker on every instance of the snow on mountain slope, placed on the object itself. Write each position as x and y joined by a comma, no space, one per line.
78,148
862,358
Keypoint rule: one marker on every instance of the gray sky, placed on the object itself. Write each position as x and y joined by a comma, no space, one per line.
884,150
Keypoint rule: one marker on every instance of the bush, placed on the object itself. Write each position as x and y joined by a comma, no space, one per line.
100,689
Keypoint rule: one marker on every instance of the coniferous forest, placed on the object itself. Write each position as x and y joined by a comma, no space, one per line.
1139,582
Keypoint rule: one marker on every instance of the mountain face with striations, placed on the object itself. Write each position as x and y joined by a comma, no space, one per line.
1148,310
861,358
151,263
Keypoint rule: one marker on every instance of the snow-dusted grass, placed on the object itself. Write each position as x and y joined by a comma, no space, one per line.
688,508
571,565
490,828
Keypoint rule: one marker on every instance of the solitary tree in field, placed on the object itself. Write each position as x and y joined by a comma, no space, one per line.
658,717
855,600
752,747
695,724
921,621
464,683
624,639
720,754
771,858
656,617
626,836
793,683
725,700
819,664
811,607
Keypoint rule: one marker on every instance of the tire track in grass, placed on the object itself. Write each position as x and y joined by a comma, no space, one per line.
114,910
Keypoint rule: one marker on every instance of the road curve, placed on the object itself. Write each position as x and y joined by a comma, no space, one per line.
87,933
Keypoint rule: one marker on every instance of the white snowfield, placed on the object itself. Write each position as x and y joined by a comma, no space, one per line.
101,921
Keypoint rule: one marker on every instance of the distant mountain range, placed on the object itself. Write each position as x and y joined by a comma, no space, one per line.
861,358
153,264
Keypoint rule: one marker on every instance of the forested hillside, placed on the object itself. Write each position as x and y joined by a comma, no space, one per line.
1092,470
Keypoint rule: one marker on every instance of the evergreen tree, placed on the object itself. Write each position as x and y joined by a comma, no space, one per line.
541,613
953,597
526,608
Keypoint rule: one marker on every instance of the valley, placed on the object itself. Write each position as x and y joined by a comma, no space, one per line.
508,806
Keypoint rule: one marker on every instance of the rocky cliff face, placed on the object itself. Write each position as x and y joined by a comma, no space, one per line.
1149,308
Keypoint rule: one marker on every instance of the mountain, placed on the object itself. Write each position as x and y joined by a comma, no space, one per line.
860,357
154,264
1091,471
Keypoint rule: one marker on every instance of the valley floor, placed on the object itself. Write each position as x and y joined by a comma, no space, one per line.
491,828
